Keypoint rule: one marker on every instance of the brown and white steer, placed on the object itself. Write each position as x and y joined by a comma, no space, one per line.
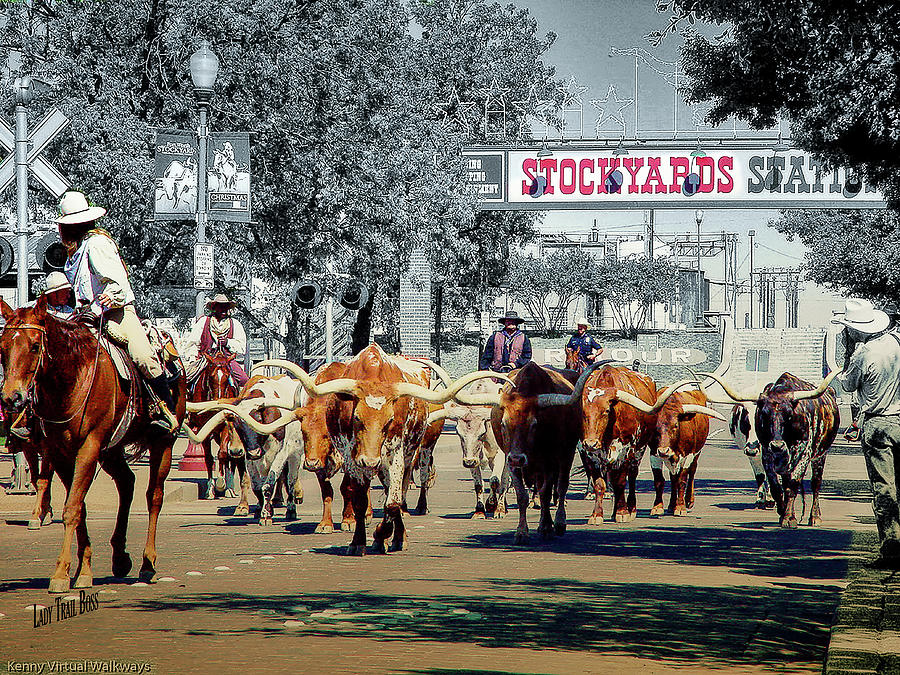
538,425
796,423
377,420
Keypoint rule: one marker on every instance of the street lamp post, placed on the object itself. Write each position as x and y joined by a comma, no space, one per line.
204,69
698,216
24,93
751,234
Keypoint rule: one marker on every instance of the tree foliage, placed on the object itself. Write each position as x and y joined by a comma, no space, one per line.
352,165
852,252
631,286
831,67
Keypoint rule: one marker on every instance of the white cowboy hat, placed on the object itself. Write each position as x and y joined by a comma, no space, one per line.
221,299
581,321
56,281
74,209
860,315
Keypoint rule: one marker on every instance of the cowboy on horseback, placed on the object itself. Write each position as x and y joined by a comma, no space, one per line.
582,348
217,333
101,286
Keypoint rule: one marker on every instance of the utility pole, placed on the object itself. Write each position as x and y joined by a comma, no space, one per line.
751,234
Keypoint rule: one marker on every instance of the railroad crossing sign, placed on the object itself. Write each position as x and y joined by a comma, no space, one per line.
39,138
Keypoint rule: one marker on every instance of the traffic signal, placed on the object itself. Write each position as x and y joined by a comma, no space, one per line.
307,294
7,257
354,296
50,253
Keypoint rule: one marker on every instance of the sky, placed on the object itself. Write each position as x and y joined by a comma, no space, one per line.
586,30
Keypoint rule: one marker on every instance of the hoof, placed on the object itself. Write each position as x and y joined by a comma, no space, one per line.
478,515
265,520
378,548
356,549
83,581
500,513
347,525
680,512
789,524
47,519
290,515
242,510
657,510
491,504
220,483
815,522
421,511
148,575
121,565
231,494
59,585
521,537
321,528
399,545
559,529
595,519
34,524
622,518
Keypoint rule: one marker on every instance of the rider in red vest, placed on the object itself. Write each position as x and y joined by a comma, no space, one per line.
508,348
218,333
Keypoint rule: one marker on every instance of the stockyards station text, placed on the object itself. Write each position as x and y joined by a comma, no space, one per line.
80,666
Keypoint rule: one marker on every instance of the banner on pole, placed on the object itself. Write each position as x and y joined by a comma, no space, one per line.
177,155
228,176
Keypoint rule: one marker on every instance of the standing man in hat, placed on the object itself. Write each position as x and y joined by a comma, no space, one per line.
507,348
583,344
218,332
101,286
873,372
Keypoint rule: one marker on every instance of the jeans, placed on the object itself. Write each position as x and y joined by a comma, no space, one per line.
881,448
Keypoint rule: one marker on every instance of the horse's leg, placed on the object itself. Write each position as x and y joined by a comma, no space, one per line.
160,462
79,482
41,474
84,576
123,476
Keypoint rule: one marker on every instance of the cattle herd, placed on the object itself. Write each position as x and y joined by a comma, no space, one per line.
380,416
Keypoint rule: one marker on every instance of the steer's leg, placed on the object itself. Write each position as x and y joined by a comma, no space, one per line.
326,524
789,519
618,478
348,517
358,490
774,482
210,463
659,484
544,488
815,482
524,500
633,463
596,482
243,507
479,492
559,523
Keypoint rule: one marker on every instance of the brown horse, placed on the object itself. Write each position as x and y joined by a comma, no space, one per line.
214,383
573,362
74,392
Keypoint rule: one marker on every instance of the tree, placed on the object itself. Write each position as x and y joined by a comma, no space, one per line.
631,285
548,286
852,252
830,67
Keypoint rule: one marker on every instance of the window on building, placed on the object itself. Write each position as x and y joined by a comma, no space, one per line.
758,360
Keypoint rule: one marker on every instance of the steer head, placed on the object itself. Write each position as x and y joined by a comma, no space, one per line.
743,429
472,431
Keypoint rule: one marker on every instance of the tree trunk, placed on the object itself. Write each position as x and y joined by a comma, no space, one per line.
362,327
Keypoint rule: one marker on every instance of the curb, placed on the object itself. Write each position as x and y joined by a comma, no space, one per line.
865,632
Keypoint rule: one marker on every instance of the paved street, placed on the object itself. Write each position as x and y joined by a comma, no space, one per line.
723,589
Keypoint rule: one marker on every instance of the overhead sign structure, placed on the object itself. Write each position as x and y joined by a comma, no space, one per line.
585,177
39,138
204,265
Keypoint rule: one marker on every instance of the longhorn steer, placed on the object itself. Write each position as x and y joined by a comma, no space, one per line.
538,425
796,423
743,430
377,420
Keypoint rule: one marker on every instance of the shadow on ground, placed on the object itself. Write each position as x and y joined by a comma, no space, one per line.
651,620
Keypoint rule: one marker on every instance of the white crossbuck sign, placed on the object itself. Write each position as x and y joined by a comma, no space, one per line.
39,138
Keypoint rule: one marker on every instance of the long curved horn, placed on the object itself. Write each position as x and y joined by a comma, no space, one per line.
547,400
703,410
703,390
259,427
444,376
420,392
635,402
668,391
738,397
442,414
341,385
818,391
206,429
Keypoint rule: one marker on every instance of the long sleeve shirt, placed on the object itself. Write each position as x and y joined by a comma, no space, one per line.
97,268
488,355
584,345
236,344
874,374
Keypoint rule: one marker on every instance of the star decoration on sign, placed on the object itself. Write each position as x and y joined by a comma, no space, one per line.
455,113
571,93
572,109
530,111
494,111
611,108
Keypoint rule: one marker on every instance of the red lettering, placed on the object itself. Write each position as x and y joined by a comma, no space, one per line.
529,166
602,162
706,168
567,182
585,187
654,176
726,164
681,167
548,166
633,165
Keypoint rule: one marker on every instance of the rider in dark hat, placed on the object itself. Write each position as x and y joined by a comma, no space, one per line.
507,348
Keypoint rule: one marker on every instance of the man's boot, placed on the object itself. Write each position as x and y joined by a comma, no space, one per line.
164,419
